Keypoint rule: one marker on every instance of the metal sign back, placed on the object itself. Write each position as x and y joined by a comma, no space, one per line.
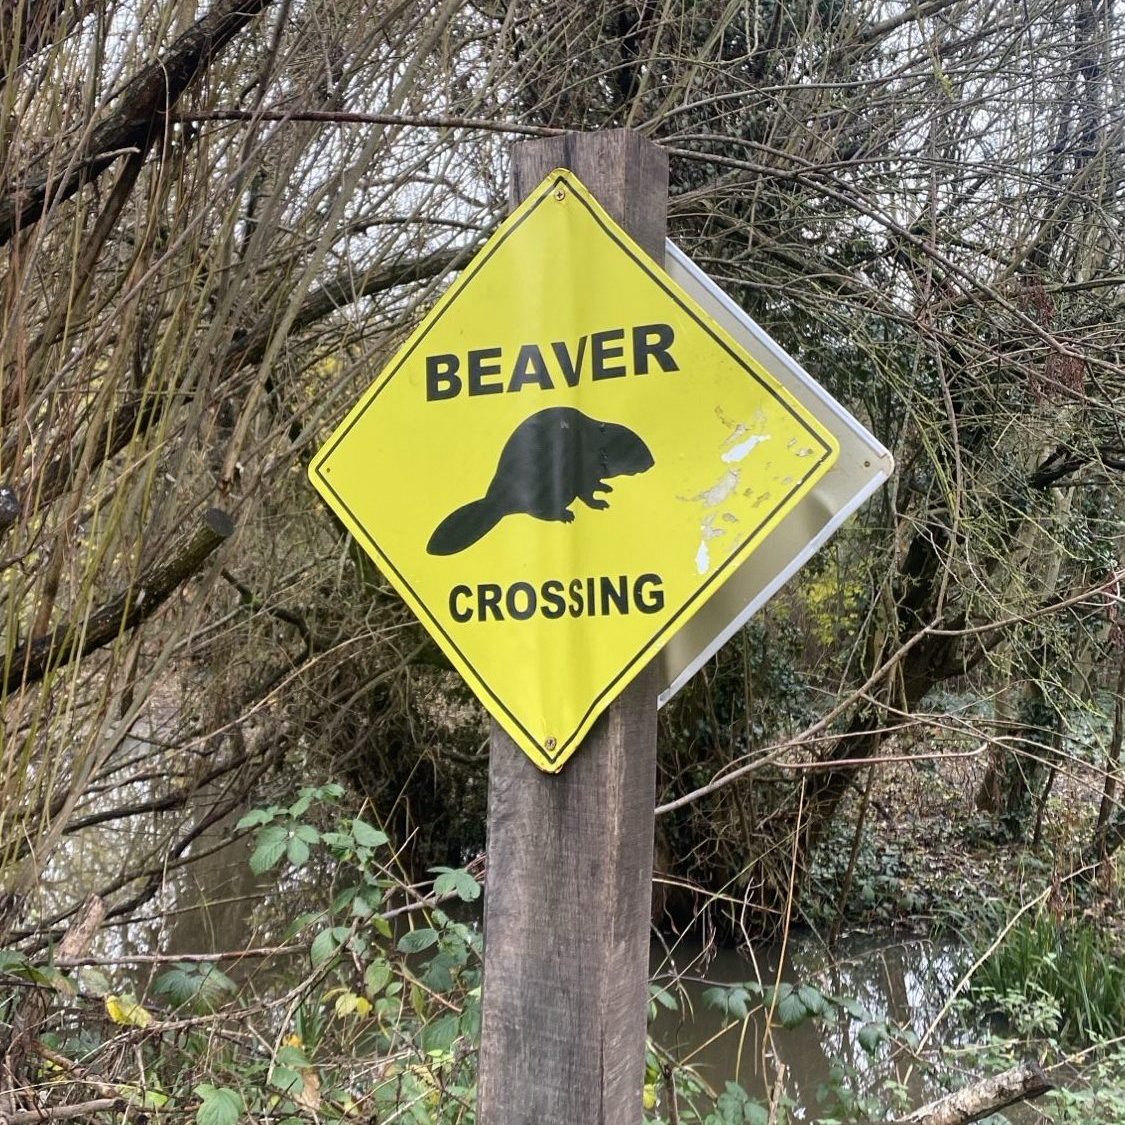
861,467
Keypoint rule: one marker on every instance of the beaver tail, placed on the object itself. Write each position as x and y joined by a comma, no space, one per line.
462,528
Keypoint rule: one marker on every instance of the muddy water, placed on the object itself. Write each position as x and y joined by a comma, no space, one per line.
904,982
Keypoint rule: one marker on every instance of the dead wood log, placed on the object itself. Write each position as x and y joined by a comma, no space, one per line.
983,1098
64,1112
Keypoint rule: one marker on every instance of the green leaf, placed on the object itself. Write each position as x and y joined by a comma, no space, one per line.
94,981
663,997
470,1022
297,852
871,1035
298,924
50,977
715,997
376,976
417,940
756,1114
301,805
456,881
791,1011
343,900
323,947
365,836
439,1035
340,842
146,1099
11,960
177,986
439,973
218,1105
735,1107
307,833
364,903
293,1057
732,1000
271,845
286,1080
254,818
205,986
813,999
738,1002
213,988
853,1007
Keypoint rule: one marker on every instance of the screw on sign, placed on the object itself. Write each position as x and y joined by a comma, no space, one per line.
591,457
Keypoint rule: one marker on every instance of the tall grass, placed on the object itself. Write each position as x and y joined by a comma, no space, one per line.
1076,968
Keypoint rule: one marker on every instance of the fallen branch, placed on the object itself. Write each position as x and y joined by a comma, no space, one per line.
983,1098
234,955
74,639
63,1112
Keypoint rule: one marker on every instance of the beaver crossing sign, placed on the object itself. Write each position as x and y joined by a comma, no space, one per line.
563,462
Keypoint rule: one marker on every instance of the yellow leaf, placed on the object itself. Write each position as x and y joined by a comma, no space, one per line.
650,1096
125,1010
346,1003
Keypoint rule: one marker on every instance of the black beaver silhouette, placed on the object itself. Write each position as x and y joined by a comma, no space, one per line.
553,458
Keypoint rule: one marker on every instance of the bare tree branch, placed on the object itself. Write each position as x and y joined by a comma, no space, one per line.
141,110
30,662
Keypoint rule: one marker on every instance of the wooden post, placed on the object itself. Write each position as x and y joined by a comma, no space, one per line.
569,885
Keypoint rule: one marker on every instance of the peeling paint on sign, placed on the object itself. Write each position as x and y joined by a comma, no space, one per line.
744,447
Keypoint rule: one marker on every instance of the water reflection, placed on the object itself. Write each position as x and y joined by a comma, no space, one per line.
904,983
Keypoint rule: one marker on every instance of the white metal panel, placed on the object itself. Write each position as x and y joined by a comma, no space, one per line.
863,465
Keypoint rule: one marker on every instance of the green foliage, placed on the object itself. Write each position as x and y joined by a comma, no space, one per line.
379,1015
735,1107
791,1005
17,965
452,881
411,997
696,1102
1051,976
203,987
1100,1100
218,1105
282,832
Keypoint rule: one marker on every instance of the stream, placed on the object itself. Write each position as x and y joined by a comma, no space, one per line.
904,983
217,904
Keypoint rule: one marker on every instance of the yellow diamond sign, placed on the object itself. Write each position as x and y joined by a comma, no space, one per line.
562,463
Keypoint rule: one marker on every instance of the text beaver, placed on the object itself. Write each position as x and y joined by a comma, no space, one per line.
487,371
553,458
